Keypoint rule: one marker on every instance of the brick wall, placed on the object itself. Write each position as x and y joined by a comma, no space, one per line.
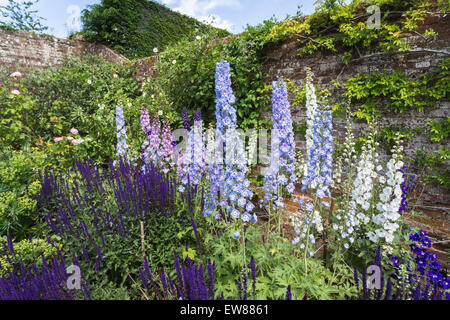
283,61
25,50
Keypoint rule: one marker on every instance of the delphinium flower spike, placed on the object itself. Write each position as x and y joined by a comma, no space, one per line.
122,146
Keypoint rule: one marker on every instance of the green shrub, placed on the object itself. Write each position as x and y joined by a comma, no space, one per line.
18,186
81,94
135,27
28,252
17,113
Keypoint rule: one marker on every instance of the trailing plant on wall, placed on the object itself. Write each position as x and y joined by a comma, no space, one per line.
344,28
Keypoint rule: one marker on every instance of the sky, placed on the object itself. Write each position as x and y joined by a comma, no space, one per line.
62,16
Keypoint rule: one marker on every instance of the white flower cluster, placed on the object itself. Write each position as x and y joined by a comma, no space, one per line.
311,107
375,197
390,200
363,184
357,212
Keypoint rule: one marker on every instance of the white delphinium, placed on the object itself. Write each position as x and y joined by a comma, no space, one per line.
311,107
390,199
363,184
357,213
316,219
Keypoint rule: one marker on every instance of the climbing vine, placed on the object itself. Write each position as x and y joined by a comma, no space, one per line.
335,27
401,91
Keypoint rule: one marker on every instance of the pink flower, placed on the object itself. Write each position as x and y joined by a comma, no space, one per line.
70,138
16,74
15,92
73,131
58,139
76,142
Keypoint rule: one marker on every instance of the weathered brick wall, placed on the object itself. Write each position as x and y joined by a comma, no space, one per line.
25,50
283,61
432,201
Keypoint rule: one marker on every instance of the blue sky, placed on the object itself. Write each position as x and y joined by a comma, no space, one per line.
62,16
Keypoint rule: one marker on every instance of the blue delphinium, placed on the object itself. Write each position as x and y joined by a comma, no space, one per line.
225,113
193,160
427,265
230,177
318,177
320,164
122,146
280,175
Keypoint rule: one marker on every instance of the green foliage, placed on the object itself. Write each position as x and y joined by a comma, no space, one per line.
339,27
135,27
18,186
401,91
104,290
436,165
439,130
278,266
17,112
82,94
28,252
390,135
19,16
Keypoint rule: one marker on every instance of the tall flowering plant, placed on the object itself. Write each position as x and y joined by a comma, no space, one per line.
280,175
122,146
311,107
372,197
191,163
318,171
232,178
166,153
318,180
390,199
194,157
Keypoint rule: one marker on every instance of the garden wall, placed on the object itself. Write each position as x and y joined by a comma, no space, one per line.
283,61
26,50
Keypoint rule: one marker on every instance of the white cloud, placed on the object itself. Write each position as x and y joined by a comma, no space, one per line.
74,21
168,2
218,22
201,10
